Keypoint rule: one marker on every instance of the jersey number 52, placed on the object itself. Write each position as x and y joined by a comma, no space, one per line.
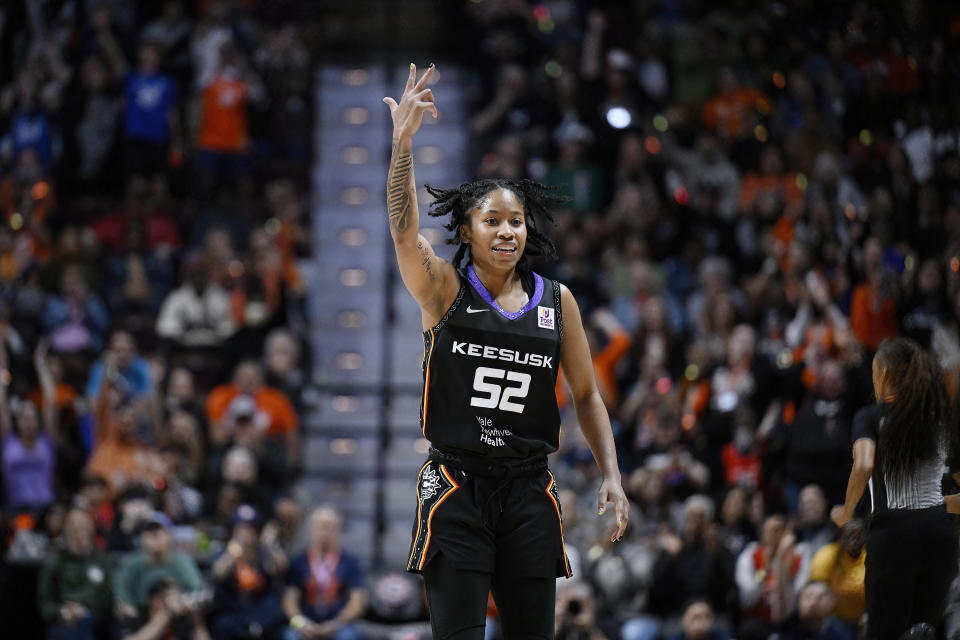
498,396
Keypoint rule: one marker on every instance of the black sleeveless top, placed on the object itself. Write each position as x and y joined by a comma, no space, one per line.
489,375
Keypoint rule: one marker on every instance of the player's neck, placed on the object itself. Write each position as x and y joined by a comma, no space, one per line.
495,281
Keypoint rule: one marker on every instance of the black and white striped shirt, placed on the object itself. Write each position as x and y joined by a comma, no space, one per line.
922,489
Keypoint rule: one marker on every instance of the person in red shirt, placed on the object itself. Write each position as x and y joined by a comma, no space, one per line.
143,208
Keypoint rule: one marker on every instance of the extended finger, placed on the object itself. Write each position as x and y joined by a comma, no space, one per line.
411,78
390,102
601,501
426,78
426,94
429,106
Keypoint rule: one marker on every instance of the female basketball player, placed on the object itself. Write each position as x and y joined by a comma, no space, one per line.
900,445
495,334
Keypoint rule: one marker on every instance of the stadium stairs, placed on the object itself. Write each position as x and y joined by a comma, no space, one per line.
362,444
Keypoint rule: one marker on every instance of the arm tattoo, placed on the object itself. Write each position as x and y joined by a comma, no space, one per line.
425,260
398,185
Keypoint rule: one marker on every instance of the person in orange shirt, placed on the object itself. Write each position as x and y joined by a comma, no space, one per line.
119,455
725,111
873,310
771,188
275,414
605,359
223,139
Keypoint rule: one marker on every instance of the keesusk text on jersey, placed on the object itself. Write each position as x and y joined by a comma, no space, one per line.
505,355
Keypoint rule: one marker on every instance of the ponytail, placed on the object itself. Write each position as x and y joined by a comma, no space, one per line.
915,427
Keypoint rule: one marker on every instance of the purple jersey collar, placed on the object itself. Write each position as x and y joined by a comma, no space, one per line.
482,290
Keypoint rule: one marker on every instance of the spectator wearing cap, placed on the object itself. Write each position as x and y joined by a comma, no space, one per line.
167,615
324,596
242,455
74,590
275,415
155,560
247,579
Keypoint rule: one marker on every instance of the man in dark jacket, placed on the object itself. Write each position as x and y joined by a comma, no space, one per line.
75,583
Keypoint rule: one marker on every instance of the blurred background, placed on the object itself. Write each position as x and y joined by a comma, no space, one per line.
204,337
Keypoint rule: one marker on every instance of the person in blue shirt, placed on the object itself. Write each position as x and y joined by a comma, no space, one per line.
30,126
324,594
151,120
132,372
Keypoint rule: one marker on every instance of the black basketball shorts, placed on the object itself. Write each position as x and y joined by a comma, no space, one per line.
507,523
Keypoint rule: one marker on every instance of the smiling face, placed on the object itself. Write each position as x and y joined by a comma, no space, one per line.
498,230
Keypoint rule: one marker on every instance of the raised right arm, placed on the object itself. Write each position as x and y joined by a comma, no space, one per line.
430,279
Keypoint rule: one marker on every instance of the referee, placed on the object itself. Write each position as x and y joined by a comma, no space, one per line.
900,446
495,334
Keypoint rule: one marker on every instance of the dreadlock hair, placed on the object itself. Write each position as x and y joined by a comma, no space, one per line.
535,198
916,421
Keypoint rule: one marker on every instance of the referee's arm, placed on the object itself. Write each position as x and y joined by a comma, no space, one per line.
864,450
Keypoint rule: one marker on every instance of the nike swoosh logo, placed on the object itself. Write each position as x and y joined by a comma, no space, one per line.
471,310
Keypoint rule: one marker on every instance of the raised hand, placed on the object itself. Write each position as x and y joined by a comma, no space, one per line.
416,100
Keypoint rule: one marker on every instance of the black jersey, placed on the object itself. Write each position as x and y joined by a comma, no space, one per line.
920,490
489,376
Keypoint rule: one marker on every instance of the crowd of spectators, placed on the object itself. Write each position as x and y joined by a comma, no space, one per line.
153,163
760,193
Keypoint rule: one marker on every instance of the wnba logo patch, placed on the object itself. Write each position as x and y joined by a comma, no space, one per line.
545,317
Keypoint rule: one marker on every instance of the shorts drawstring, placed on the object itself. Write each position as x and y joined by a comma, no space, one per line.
508,477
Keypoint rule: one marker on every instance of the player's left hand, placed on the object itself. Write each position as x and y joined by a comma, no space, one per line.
611,491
